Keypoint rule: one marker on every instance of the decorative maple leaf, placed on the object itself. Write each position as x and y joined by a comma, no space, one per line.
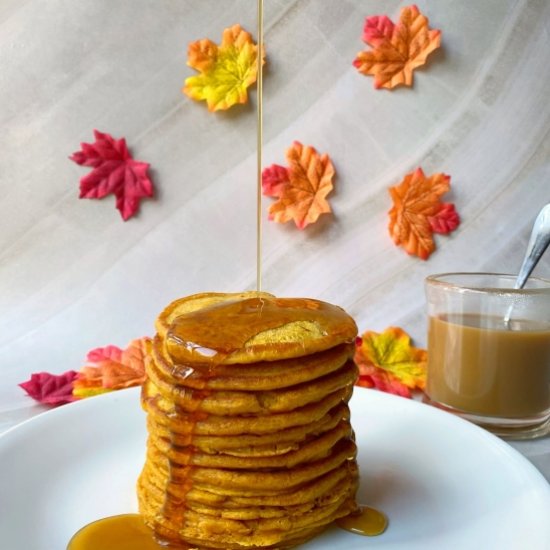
112,369
51,389
397,49
389,362
417,212
114,171
302,188
226,71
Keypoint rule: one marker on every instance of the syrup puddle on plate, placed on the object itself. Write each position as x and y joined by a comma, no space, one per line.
368,522
128,532
124,532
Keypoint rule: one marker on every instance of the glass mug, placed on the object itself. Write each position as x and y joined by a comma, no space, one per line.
489,351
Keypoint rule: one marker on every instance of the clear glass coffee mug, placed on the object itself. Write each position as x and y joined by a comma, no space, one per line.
489,351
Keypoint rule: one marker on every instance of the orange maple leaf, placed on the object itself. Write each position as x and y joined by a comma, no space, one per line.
112,369
226,71
397,49
389,362
417,212
302,194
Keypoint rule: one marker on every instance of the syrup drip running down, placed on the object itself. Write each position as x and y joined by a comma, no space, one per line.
128,531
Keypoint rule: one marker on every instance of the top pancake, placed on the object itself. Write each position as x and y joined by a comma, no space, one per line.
244,328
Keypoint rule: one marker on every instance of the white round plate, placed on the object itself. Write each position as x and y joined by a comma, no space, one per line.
444,483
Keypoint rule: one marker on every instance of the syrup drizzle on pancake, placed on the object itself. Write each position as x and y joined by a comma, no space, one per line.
210,335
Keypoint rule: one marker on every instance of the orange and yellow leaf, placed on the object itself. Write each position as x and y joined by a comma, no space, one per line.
112,369
418,211
302,195
397,49
225,71
388,361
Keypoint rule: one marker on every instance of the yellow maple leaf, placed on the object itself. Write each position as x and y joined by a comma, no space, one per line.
388,361
226,71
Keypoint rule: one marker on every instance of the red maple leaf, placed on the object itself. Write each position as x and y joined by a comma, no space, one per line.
51,389
114,171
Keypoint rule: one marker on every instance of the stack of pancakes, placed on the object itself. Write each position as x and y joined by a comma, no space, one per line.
250,443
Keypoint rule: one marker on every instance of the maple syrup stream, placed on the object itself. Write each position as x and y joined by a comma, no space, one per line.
127,531
259,145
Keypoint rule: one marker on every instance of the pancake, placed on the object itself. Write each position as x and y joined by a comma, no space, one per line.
167,414
233,403
250,443
306,452
255,327
267,375
247,445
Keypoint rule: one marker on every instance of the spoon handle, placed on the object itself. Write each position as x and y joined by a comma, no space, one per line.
538,243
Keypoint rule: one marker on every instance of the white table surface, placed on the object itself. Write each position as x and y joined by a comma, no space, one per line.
73,276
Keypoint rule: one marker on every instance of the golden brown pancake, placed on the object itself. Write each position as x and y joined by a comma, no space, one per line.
182,422
266,375
256,327
250,443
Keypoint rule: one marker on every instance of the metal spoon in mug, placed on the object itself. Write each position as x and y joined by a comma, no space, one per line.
538,243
